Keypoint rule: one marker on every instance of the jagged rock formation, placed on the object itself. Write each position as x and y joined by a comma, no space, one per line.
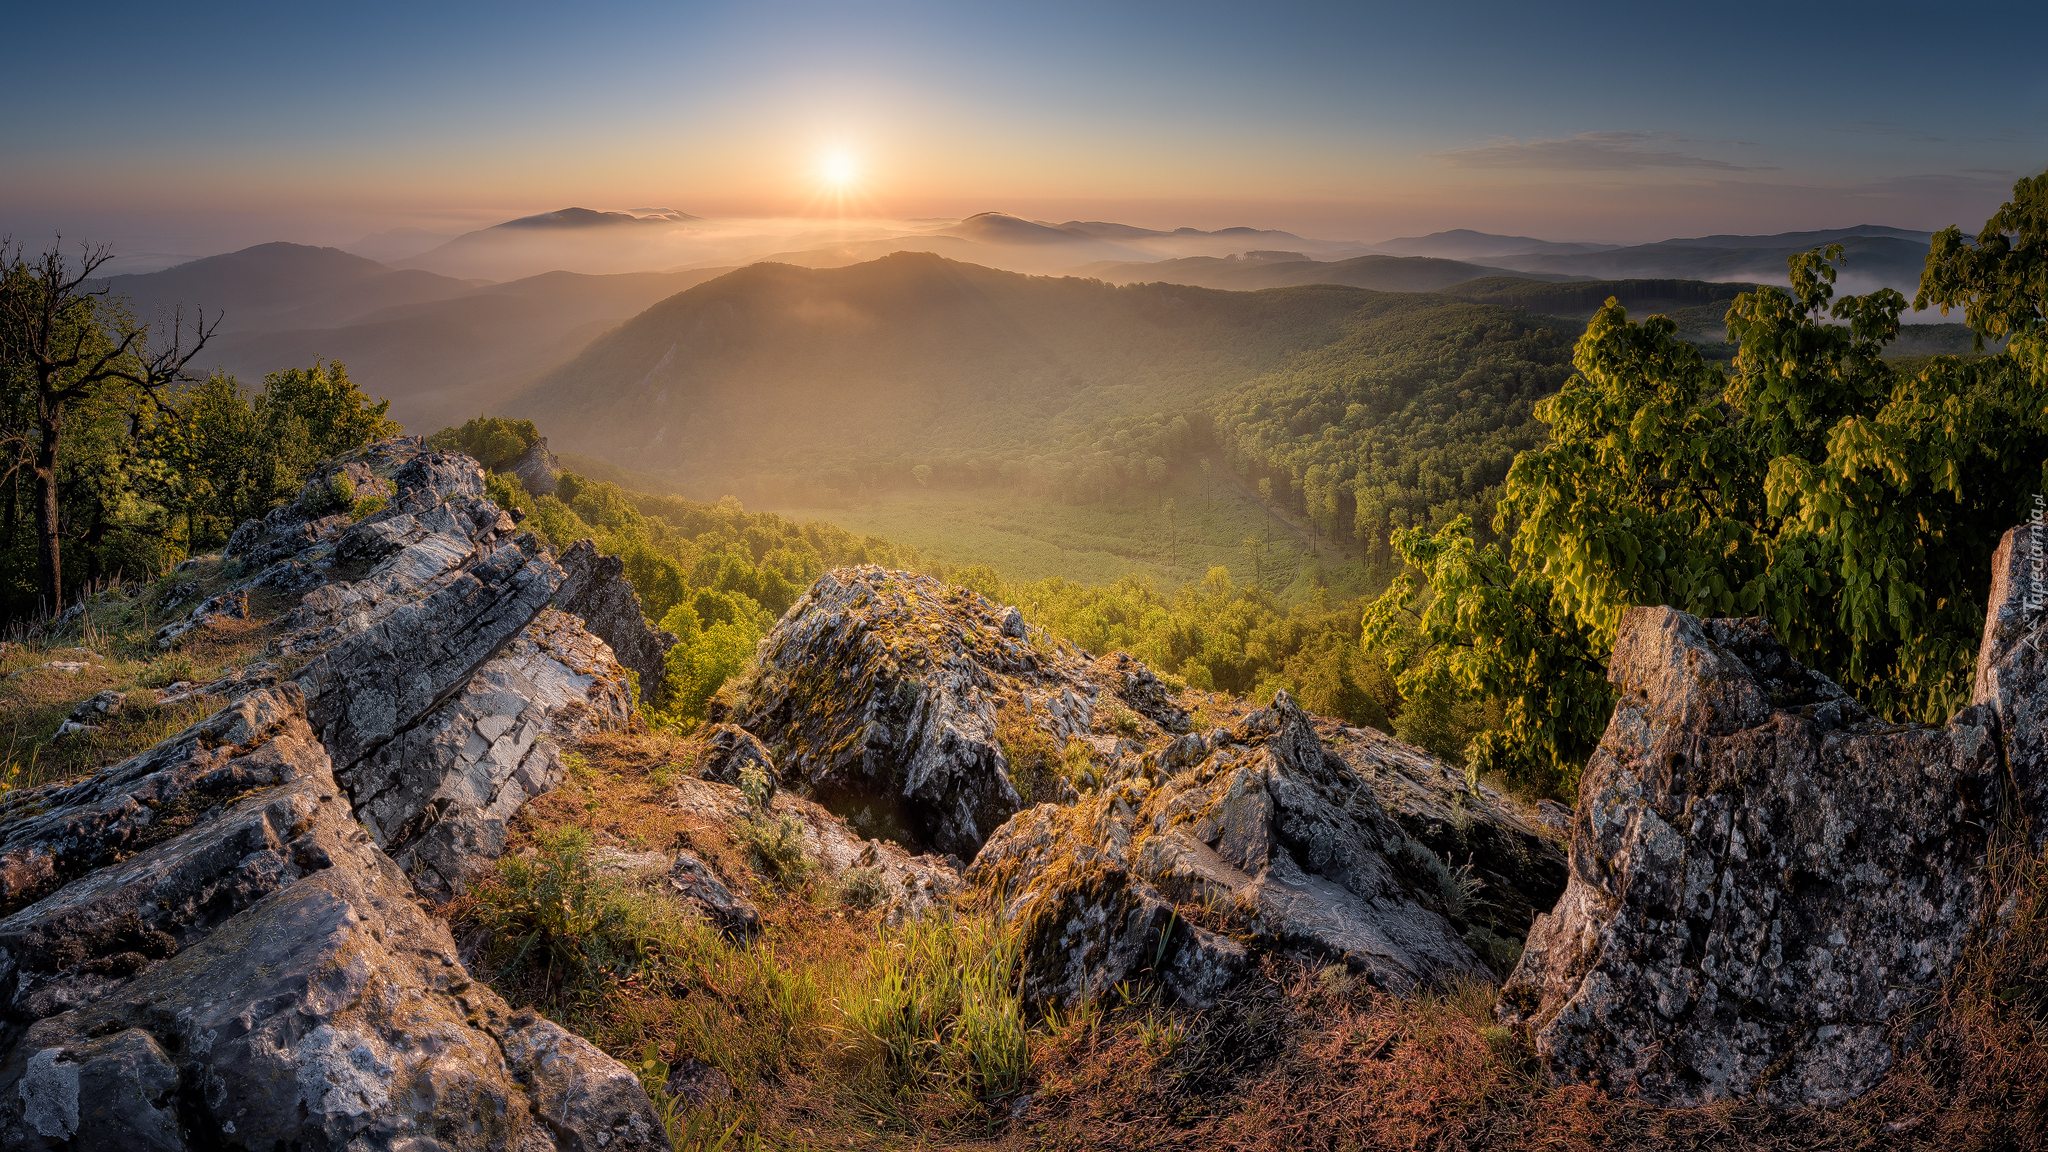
878,694
536,469
212,945
927,715
1766,878
208,952
1260,826
594,588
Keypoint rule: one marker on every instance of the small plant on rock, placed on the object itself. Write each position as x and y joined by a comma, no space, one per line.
775,843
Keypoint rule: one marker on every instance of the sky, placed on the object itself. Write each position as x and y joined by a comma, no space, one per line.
194,129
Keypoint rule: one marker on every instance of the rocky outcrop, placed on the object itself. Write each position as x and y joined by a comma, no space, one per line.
536,469
1766,880
1261,827
204,950
878,694
217,943
594,588
439,795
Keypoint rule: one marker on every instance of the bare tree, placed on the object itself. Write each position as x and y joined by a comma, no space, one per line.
49,334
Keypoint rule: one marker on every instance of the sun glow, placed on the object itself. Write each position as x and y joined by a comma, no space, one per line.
838,169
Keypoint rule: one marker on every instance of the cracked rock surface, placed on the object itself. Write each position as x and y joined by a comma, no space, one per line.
220,942
1765,878
1276,839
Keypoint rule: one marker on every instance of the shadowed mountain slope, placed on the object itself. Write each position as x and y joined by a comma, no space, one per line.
1291,269
841,375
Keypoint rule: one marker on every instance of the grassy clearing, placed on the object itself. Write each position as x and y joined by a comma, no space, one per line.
835,1031
1028,538
113,643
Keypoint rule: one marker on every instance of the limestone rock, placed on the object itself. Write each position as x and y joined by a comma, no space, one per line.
878,695
202,949
437,796
1765,878
1265,828
536,469
2012,667
594,587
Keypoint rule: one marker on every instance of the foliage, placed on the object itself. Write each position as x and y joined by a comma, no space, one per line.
941,1002
1491,633
497,442
142,487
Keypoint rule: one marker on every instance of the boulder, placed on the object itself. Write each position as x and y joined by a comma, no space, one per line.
202,949
1766,880
729,752
594,587
1259,825
878,694
2012,667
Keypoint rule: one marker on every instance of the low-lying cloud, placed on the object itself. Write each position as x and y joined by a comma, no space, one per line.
1585,152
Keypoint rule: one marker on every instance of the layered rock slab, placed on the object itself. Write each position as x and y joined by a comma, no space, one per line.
1259,828
1765,878
217,957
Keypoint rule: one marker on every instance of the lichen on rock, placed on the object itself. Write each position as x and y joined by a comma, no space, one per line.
1766,879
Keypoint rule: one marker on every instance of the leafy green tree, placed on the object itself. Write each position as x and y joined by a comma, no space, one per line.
1489,633
1854,504
497,442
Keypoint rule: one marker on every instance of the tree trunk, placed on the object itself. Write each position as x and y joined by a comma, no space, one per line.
49,421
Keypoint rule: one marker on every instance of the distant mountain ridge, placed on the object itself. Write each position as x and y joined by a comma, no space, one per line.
1465,244
1290,269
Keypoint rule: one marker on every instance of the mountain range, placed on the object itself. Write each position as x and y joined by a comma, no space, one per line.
444,346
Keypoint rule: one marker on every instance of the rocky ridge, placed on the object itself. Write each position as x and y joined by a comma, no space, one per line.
217,943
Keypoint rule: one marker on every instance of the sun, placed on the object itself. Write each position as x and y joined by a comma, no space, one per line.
838,169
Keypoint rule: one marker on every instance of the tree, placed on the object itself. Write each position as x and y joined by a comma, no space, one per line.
61,347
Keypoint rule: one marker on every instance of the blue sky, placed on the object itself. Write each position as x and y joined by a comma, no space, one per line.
223,124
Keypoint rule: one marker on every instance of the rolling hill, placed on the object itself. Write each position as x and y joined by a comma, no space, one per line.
294,283
439,348
775,378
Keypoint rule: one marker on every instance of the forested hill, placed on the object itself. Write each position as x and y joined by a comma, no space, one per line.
917,369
